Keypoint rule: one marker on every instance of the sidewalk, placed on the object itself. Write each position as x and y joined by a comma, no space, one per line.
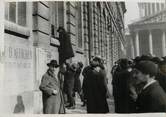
78,108
82,110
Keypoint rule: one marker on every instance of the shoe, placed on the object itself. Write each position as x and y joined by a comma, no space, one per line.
71,107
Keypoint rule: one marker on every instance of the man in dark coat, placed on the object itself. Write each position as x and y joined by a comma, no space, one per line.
161,76
65,49
51,92
96,89
84,84
69,84
77,81
152,98
122,92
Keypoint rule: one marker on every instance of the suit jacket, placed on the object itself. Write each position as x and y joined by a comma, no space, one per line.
152,99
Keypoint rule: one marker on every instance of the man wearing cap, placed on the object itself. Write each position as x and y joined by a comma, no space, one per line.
51,92
152,97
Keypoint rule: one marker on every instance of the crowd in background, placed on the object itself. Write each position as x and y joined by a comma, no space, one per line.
139,85
92,92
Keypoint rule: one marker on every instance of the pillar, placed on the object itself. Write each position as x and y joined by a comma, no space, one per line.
163,43
150,43
2,97
137,43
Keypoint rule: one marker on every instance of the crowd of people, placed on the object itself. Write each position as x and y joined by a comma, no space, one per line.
139,85
59,91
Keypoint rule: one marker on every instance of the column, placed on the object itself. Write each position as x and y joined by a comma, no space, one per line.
64,15
150,43
163,43
155,8
137,43
151,5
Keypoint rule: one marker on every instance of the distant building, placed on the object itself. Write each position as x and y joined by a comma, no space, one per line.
148,33
30,37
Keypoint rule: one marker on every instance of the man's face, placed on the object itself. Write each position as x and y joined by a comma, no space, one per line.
52,68
163,68
94,63
140,77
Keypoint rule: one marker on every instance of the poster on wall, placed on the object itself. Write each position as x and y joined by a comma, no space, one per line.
18,72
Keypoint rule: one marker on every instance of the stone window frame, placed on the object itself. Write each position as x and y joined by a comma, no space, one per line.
14,28
55,21
16,16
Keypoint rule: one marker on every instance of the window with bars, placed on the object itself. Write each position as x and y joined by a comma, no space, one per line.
16,12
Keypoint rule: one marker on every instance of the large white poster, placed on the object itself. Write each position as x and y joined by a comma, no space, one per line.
18,68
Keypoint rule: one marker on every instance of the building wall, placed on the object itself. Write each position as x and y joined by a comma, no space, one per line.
95,28
150,8
150,29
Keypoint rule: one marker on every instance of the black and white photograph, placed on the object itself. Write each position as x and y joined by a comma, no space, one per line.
83,57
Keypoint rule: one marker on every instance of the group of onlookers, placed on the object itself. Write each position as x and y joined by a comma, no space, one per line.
72,83
139,85
59,90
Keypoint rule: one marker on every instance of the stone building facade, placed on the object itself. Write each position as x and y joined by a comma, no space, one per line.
148,33
30,41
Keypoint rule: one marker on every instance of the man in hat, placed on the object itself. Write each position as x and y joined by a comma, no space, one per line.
51,92
96,89
65,49
69,84
122,88
152,97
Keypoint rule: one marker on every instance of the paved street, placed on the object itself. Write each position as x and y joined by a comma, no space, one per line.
82,110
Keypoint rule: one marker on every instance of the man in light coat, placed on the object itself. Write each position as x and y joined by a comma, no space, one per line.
51,93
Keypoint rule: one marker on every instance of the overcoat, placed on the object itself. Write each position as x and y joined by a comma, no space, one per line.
68,81
77,82
84,84
52,103
96,92
122,92
152,99
161,78
65,49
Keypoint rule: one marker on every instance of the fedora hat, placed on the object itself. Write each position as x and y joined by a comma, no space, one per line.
53,63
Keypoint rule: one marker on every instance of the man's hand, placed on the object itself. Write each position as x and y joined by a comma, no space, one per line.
97,69
55,92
